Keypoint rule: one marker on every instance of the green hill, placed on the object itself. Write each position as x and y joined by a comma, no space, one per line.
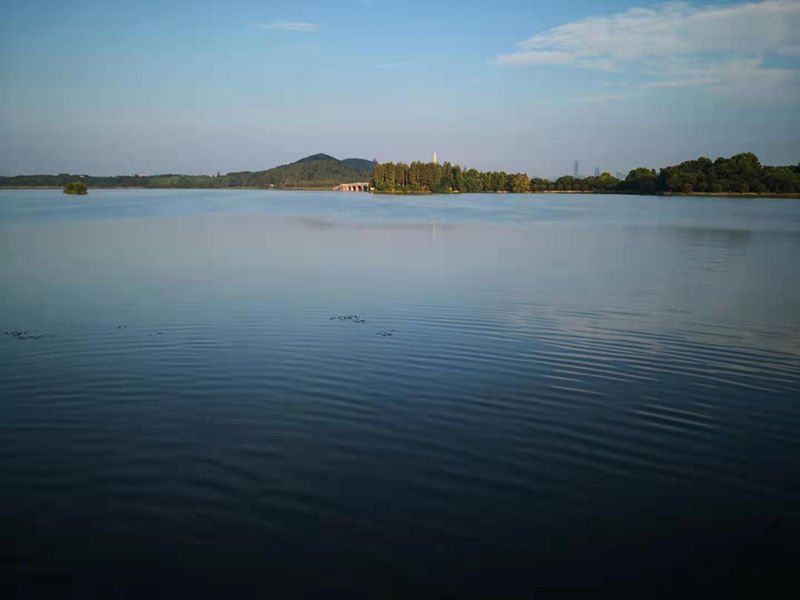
312,158
360,163
315,171
318,170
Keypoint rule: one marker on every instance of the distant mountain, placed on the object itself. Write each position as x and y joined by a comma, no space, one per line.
315,171
360,163
313,157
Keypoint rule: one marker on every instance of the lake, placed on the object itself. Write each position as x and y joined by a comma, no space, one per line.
545,391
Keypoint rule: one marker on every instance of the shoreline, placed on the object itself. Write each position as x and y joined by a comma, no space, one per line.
614,193
429,193
139,187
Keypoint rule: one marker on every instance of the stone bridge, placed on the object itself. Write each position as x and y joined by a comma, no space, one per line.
359,186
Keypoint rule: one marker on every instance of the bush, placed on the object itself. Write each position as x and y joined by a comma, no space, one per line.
76,187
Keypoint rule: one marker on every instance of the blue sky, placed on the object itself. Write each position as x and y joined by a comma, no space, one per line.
199,87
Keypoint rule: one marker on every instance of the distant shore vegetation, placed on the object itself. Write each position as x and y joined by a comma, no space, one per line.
320,171
77,188
739,174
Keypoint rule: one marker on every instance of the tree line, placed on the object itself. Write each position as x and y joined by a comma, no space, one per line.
318,171
124,181
742,173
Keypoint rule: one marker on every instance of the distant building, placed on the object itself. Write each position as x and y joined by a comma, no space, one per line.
597,171
575,171
435,160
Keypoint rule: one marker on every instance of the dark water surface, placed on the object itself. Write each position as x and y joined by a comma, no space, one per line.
578,391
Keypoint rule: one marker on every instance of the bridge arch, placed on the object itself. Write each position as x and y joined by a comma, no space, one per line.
358,186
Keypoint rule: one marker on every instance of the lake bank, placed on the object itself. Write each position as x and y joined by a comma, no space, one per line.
601,193
429,193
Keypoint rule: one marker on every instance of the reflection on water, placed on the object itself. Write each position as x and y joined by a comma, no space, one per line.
576,392
707,236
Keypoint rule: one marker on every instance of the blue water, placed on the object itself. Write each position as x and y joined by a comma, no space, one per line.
510,209
547,391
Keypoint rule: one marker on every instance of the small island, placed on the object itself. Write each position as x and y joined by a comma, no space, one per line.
77,188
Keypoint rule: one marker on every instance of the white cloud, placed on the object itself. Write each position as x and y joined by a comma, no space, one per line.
679,83
599,98
299,26
393,65
675,44
538,57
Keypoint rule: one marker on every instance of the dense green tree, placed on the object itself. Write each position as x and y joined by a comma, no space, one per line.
641,180
607,182
782,179
521,183
76,187
540,185
472,182
565,183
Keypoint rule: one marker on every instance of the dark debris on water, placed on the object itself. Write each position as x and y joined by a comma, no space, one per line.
356,319
34,334
27,334
353,318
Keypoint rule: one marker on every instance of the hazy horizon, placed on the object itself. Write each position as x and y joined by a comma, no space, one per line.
203,87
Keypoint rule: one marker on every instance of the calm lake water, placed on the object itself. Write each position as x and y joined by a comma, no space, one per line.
545,391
